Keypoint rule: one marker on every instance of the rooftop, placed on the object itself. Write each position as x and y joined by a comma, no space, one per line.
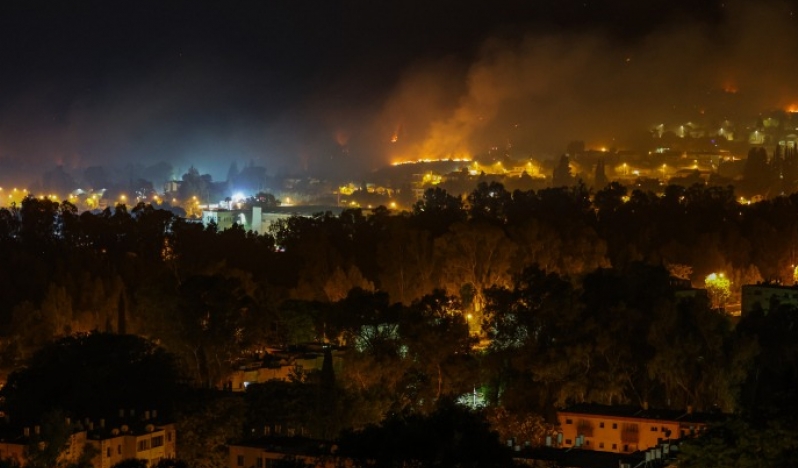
637,412
773,285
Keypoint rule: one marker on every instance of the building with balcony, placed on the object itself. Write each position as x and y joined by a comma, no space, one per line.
143,438
624,429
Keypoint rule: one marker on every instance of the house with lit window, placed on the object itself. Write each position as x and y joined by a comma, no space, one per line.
143,438
15,445
625,429
284,365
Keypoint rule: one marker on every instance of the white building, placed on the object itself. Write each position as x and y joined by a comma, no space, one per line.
248,219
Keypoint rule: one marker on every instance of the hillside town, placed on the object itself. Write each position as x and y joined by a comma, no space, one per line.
530,309
449,234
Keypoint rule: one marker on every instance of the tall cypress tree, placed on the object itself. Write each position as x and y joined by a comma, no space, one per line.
600,180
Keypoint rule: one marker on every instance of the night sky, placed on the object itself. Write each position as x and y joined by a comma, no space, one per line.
321,87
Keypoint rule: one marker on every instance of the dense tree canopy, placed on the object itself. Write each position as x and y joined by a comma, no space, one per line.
532,299
450,436
93,375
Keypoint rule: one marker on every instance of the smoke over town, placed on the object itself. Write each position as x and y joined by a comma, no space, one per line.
187,96
538,92
428,233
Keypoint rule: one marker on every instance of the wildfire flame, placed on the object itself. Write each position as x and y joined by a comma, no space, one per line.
431,160
396,133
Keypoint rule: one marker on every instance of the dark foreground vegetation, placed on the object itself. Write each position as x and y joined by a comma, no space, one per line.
532,300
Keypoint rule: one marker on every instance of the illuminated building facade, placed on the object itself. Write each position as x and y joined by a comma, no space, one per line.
14,446
767,295
248,219
281,366
143,438
624,429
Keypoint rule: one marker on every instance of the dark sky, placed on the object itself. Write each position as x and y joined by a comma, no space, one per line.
323,85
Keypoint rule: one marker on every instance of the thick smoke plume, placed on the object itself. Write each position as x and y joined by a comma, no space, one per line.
536,94
192,97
